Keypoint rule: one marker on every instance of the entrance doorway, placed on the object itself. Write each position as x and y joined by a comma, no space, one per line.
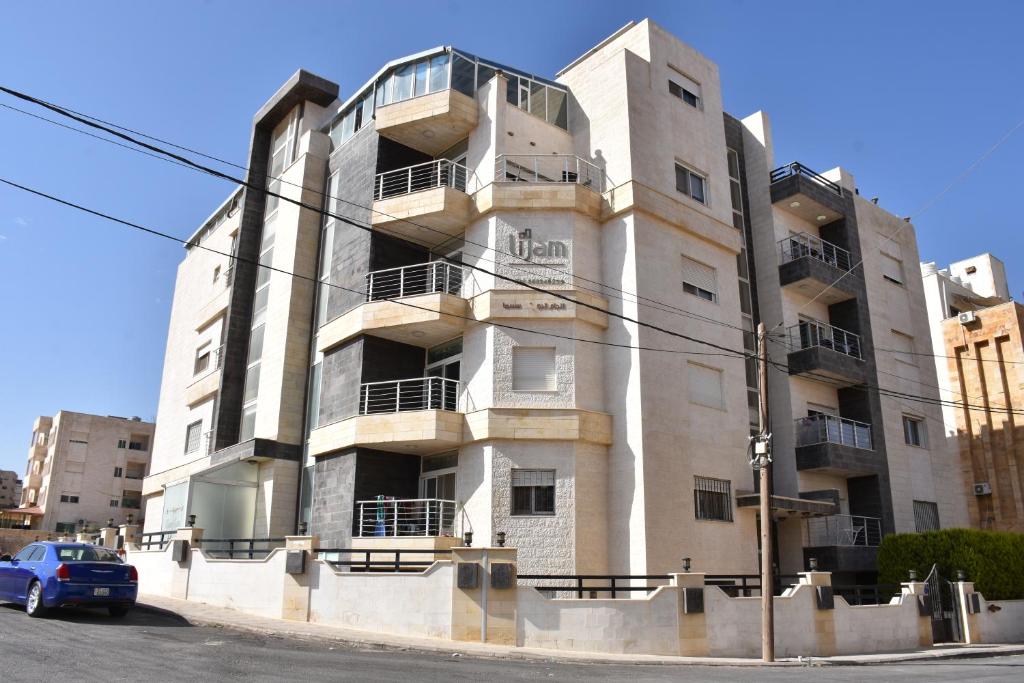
445,361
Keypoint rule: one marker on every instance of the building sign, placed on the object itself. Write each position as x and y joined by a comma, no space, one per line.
522,245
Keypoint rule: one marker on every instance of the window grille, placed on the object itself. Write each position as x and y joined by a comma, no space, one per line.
712,499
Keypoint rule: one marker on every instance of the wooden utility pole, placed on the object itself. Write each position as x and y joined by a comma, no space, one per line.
762,455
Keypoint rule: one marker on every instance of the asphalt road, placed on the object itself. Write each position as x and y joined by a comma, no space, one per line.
152,646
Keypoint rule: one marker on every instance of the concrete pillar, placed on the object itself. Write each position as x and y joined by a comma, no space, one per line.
181,570
296,594
824,619
108,537
971,622
81,537
693,626
130,534
484,613
913,591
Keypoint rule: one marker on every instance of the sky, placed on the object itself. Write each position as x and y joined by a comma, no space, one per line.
905,95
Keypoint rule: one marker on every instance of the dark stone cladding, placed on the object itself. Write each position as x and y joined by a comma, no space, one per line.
808,267
257,448
834,457
797,184
824,495
842,558
734,141
822,361
302,86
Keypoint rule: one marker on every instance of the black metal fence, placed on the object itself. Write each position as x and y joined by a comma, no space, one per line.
859,594
796,168
155,538
748,585
594,585
239,548
379,559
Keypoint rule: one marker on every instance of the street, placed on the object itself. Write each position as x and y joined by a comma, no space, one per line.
154,646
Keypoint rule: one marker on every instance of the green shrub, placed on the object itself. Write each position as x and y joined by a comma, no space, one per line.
993,560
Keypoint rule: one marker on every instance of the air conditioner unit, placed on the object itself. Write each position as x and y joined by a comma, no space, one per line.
982,489
968,317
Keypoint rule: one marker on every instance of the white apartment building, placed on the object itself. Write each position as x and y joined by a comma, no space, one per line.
84,470
426,388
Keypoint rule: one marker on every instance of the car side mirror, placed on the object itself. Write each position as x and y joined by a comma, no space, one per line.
5,558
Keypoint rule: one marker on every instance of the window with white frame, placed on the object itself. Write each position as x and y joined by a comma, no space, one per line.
712,499
903,348
705,385
691,183
914,433
926,516
700,280
192,434
533,369
533,492
892,269
202,361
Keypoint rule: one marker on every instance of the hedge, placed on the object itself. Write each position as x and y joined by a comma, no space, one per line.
993,560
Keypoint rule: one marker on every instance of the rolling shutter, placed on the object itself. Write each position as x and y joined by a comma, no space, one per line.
533,369
700,275
705,385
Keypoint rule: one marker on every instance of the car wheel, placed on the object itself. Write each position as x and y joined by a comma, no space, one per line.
117,612
34,604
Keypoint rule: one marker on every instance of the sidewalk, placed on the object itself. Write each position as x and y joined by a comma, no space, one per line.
207,615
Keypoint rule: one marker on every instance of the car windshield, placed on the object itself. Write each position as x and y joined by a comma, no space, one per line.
86,554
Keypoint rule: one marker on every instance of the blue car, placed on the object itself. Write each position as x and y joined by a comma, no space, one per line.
47,574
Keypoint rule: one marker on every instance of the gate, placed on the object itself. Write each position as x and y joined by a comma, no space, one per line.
944,608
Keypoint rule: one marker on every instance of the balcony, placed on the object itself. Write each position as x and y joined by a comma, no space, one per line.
427,203
813,267
807,194
834,445
432,311
543,181
206,381
429,123
824,351
843,543
403,518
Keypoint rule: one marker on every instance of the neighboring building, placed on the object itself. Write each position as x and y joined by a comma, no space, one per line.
84,470
978,347
10,489
480,404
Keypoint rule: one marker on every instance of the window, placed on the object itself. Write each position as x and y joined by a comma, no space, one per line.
705,385
65,528
712,499
69,499
118,472
926,516
685,88
533,492
699,280
892,269
25,553
202,360
903,348
914,431
192,433
136,445
216,274
114,504
122,443
690,183
533,369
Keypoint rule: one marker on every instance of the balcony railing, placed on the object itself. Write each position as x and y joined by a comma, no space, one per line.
548,168
804,245
810,333
390,517
213,362
424,278
797,169
844,530
420,393
208,442
426,176
831,429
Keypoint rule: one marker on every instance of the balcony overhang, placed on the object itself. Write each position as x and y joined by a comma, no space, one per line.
428,217
517,196
548,424
525,303
819,280
419,431
423,320
214,308
836,459
818,362
784,507
843,558
429,123
203,388
808,199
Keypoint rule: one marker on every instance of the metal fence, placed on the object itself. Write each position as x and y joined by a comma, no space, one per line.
367,560
748,585
239,548
831,429
594,585
810,333
406,517
859,594
420,393
426,176
423,278
804,245
548,168
797,169
842,530
155,538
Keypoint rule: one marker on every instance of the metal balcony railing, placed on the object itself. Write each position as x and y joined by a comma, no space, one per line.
548,168
797,169
426,176
208,442
389,517
810,333
804,245
844,530
423,278
212,363
831,429
420,393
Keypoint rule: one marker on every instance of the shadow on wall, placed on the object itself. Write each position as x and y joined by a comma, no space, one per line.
993,466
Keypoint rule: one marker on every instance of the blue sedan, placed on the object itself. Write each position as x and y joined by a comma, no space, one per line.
46,575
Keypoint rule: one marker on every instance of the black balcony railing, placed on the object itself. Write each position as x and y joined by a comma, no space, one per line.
797,169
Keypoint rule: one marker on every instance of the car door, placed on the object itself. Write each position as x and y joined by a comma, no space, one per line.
11,574
26,571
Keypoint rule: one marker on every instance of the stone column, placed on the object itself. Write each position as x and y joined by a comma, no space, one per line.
971,622
130,534
81,537
484,613
824,619
914,591
693,626
296,594
181,570
108,537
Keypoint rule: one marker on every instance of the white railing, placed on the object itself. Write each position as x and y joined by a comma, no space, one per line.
420,393
208,442
426,176
423,278
803,245
389,517
214,363
810,333
831,429
548,168
845,530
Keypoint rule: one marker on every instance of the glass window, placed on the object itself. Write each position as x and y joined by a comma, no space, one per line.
122,443
439,72
192,434
483,75
256,343
512,90
115,503
538,100
266,260
118,472
690,183
712,499
252,383
699,279
557,108
422,70
25,552
348,124
259,304
913,431
367,107
403,82
248,423
463,75
86,554
533,492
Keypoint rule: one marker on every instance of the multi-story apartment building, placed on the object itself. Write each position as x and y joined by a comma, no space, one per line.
84,470
10,489
472,360
977,337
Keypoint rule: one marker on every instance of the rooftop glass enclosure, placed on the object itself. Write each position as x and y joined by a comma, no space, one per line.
445,69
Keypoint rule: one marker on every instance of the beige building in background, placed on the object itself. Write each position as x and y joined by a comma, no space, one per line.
10,489
84,470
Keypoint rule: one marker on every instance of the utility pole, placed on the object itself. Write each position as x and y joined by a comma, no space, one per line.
762,460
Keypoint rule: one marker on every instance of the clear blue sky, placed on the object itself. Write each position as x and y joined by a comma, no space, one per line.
905,95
